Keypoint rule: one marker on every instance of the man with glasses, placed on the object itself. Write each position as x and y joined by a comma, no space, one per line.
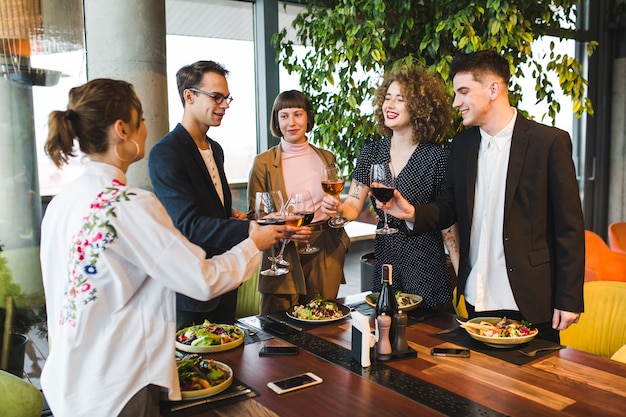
187,172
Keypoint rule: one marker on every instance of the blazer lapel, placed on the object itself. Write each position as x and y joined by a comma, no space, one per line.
519,143
471,170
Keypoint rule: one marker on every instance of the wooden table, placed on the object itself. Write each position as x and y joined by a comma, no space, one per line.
564,383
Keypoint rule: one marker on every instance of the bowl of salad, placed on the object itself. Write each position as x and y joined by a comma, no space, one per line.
405,301
499,332
199,377
209,337
319,310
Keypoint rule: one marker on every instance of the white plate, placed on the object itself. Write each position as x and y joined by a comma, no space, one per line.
207,392
345,311
499,342
372,299
212,348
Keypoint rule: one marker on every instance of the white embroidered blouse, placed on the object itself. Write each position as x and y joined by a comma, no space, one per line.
112,261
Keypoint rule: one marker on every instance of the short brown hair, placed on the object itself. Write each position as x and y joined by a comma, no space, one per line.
480,63
190,76
291,99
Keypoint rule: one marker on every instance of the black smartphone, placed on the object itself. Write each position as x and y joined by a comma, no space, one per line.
278,350
277,328
457,352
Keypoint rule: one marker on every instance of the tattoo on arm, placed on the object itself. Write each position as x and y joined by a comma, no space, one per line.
355,191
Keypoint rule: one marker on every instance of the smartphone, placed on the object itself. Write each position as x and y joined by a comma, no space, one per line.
278,350
460,353
295,382
277,328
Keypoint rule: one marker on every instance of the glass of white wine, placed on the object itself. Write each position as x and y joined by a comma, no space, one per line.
293,212
333,183
308,213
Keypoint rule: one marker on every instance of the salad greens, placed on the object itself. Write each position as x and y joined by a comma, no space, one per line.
209,334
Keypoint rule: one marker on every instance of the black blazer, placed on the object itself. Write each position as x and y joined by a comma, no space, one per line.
544,241
182,182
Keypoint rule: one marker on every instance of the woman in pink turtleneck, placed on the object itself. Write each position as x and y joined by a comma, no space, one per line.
295,165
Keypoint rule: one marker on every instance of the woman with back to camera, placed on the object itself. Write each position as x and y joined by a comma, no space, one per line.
412,111
296,165
112,260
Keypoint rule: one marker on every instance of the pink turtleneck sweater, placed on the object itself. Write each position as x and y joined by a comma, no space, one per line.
302,170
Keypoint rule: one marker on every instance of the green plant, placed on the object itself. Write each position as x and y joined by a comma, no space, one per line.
352,42
25,318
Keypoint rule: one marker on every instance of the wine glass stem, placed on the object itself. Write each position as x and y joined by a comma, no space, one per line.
386,226
282,249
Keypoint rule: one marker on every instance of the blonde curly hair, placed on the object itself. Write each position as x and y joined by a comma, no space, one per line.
426,99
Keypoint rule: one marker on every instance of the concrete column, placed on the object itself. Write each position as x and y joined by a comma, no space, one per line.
617,183
126,40
20,207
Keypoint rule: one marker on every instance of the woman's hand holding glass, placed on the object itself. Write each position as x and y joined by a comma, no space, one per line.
333,183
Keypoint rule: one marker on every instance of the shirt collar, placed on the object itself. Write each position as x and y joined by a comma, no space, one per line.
501,138
101,168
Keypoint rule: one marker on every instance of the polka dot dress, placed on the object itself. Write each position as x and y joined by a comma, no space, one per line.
419,264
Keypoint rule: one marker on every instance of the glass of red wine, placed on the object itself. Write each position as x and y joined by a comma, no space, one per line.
268,207
333,183
382,184
308,212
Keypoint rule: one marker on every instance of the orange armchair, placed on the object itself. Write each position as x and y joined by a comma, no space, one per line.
617,237
602,263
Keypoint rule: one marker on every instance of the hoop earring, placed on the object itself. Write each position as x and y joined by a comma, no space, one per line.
137,150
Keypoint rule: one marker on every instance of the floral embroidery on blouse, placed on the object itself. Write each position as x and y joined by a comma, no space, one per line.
96,234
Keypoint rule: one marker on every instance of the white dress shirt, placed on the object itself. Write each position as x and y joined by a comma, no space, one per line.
487,286
111,261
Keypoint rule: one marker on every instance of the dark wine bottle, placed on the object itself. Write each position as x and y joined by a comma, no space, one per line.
387,300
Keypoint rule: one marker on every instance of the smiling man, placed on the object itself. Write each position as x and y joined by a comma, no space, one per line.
187,172
511,186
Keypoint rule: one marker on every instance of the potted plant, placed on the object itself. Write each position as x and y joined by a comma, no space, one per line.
353,42
23,318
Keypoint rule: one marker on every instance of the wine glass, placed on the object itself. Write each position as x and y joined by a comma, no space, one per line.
308,212
333,183
293,210
382,184
268,210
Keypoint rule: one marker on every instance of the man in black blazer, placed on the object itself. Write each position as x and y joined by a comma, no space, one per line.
511,186
187,172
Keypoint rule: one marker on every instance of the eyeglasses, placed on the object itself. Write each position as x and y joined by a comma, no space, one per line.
219,98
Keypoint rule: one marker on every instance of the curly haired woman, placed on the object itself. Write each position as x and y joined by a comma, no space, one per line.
412,111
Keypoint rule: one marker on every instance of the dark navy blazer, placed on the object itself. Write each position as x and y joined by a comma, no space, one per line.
182,182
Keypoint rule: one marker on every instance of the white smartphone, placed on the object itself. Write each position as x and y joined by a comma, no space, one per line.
295,382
